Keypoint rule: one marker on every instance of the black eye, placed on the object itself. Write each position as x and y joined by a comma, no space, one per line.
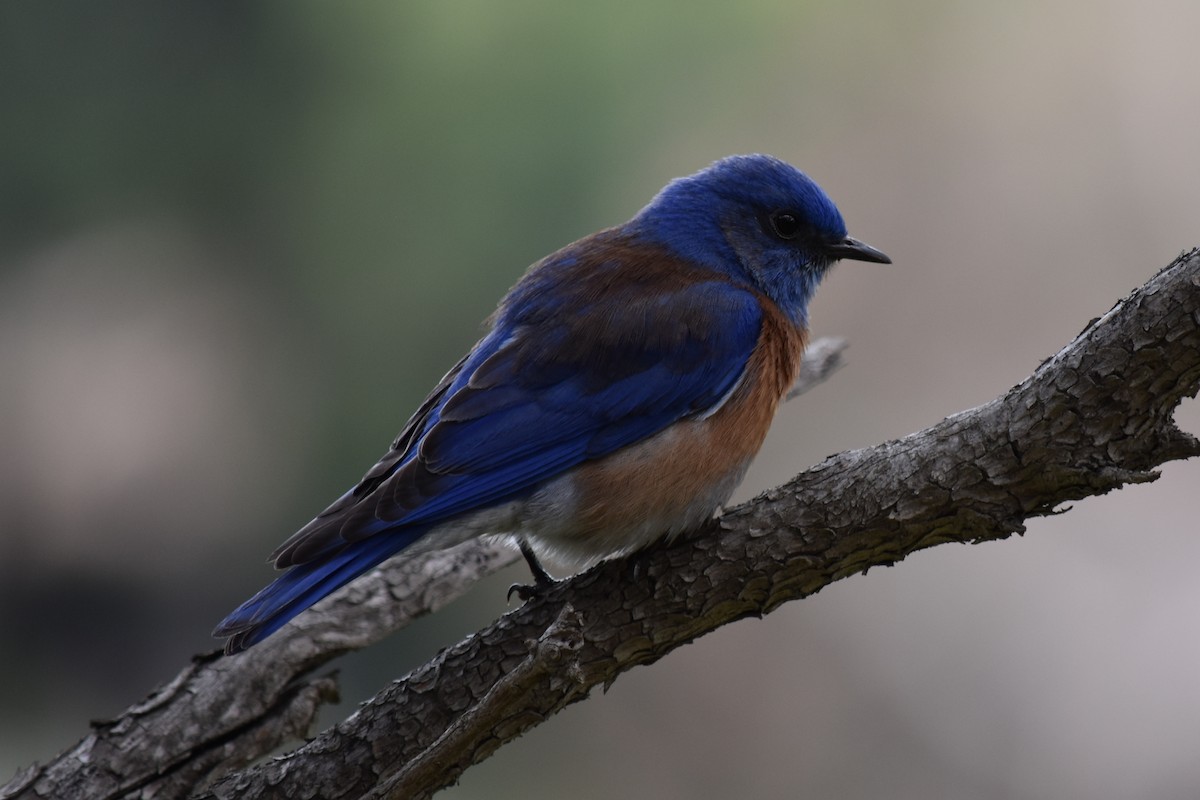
785,224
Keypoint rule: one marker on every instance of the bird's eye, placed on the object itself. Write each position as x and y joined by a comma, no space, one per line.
785,224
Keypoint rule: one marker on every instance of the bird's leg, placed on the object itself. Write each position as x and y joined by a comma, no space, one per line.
541,579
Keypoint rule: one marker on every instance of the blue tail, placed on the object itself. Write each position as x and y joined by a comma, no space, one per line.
305,584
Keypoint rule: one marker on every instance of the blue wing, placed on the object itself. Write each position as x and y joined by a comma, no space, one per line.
581,362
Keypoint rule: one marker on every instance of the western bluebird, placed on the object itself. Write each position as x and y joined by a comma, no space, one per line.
625,384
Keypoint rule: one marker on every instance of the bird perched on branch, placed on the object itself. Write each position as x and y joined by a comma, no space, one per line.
625,384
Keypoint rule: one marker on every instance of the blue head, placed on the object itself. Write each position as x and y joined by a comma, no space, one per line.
757,219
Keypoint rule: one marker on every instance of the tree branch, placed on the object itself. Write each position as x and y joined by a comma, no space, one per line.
219,714
1095,416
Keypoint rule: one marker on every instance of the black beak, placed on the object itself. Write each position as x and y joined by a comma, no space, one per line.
855,250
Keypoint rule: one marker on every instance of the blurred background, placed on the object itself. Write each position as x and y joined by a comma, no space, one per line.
240,241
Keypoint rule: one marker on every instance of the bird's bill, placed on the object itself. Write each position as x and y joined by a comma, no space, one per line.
855,250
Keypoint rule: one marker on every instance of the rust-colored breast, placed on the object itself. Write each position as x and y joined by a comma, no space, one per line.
676,479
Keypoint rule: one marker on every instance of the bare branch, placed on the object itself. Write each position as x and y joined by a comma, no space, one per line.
822,358
220,714
1094,417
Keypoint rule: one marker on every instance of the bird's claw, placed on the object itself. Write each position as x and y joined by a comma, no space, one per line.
529,591
525,591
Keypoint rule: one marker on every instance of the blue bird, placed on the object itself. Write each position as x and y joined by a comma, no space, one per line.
625,384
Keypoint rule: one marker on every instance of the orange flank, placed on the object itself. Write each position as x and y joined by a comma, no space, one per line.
676,479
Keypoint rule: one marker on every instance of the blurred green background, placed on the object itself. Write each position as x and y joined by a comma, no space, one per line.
240,241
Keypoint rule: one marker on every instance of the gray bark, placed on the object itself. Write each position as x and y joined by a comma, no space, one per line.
1094,417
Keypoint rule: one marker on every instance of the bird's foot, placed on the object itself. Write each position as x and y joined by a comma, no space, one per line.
528,591
542,581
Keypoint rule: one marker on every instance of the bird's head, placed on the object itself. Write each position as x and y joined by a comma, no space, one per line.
759,220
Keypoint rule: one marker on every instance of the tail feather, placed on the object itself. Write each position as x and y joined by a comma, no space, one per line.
303,585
